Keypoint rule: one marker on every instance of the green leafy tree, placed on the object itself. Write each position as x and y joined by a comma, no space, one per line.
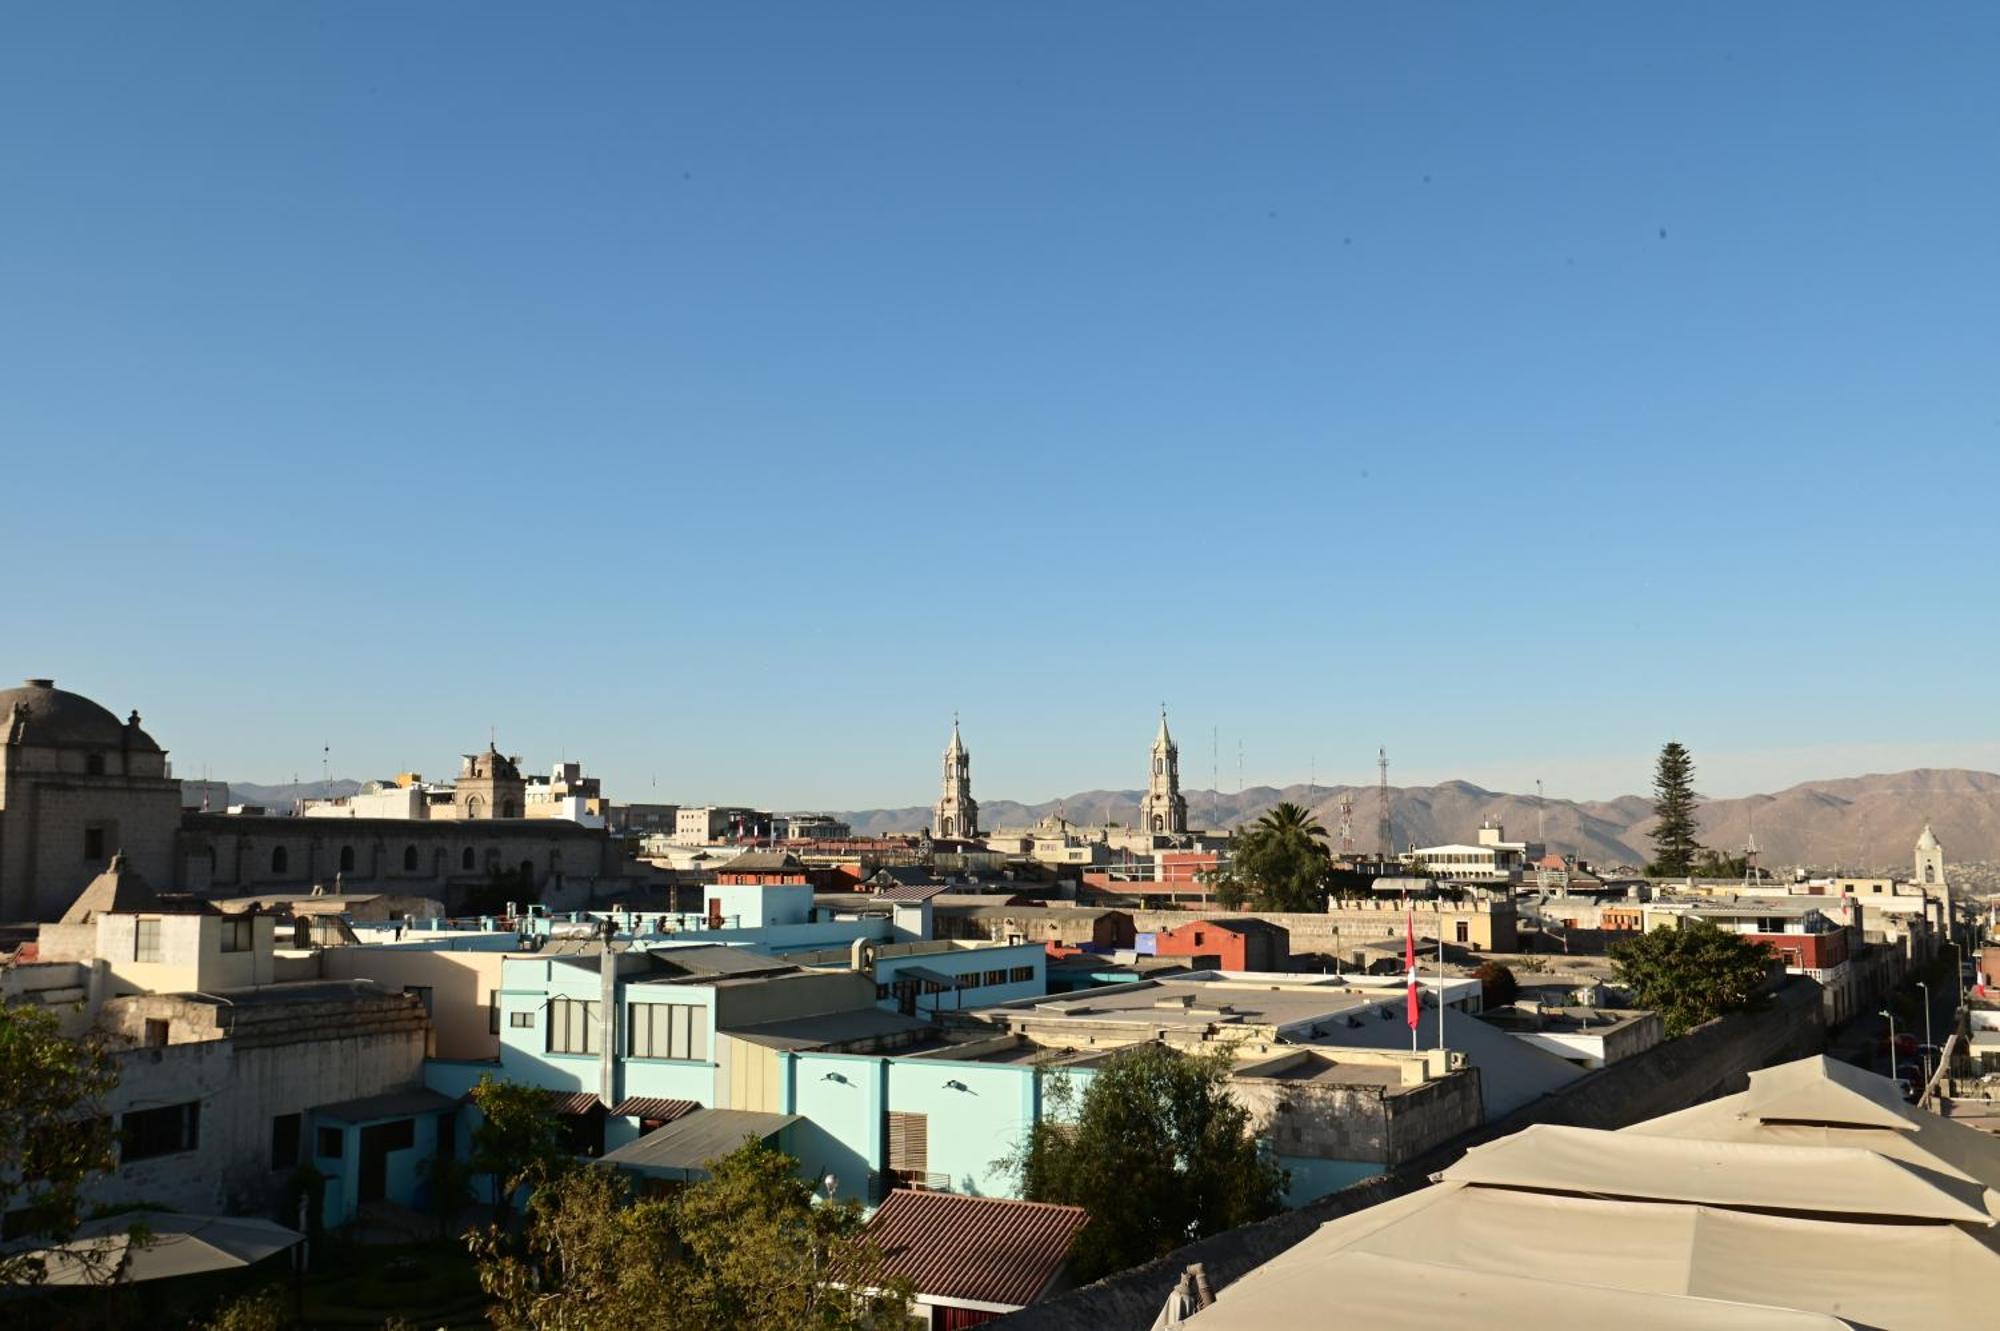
1157,1151
761,1254
1676,833
519,1141
746,1248
1497,985
1280,862
1692,974
53,1137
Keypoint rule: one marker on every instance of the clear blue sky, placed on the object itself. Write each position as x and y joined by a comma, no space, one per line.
724,396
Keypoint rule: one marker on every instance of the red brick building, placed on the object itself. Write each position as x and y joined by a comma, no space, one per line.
1246,944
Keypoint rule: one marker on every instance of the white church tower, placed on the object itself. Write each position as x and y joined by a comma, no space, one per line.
1164,810
956,816
1930,859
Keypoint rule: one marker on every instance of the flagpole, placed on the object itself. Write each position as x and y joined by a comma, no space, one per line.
1410,966
1440,979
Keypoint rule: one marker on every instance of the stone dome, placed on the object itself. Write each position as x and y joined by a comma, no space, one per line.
491,765
40,714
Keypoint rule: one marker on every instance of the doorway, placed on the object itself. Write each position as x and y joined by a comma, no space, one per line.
377,1141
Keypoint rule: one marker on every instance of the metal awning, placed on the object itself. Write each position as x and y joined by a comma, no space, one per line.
653,1106
174,1245
683,1148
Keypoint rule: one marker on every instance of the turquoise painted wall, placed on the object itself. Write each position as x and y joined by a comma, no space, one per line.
841,1098
527,986
404,1173
978,1114
1311,1178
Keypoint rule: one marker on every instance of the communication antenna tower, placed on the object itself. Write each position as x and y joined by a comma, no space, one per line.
1541,827
1386,830
1215,776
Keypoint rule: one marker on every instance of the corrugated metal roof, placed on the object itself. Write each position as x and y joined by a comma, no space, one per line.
686,1145
575,1102
912,892
650,1106
978,1248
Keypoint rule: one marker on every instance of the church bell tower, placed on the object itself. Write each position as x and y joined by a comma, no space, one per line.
1164,810
956,816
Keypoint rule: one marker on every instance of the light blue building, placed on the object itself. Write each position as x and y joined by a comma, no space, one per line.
376,1149
1329,1104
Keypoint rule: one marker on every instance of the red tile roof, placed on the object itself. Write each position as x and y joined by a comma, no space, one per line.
977,1248
647,1106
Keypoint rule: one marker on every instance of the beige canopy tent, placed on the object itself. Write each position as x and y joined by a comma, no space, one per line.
103,1251
1815,1202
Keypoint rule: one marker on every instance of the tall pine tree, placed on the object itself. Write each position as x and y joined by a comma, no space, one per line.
1674,835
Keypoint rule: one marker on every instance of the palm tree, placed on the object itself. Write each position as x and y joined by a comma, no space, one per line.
1287,820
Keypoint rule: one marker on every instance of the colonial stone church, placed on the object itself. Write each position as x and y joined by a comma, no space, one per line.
78,786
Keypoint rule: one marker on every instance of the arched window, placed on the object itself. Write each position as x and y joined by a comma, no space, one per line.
528,872
475,807
93,765
465,861
347,859
507,809
409,859
280,861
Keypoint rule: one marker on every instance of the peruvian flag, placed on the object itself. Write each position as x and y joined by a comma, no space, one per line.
1410,961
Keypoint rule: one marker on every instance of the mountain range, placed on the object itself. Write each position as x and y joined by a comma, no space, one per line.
1859,824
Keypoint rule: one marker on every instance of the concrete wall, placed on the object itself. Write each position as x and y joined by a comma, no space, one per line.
292,1062
1712,1060
191,955
1339,929
462,986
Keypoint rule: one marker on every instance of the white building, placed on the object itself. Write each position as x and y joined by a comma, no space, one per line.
1493,860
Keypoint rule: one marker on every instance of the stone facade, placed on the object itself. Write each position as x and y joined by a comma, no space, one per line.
77,785
223,855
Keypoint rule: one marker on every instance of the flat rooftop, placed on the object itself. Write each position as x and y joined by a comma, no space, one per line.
1196,1002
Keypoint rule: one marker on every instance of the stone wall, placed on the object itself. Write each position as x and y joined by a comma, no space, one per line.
1713,1060
1384,1124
